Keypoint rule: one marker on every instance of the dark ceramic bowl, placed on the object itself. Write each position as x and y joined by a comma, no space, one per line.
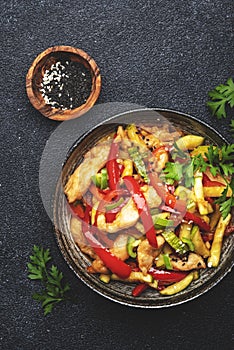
117,291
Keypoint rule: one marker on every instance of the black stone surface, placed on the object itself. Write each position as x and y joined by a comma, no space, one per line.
165,54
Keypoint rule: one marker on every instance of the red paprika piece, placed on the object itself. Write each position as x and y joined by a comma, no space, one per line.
139,289
197,220
143,209
112,166
210,183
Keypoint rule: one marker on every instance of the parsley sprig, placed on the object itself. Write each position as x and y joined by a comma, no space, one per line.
226,204
221,96
181,169
53,291
217,160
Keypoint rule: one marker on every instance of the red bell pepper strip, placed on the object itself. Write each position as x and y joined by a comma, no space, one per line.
121,168
114,264
85,227
167,276
117,266
210,183
112,166
143,209
210,200
139,289
77,210
197,220
208,237
110,217
86,218
169,199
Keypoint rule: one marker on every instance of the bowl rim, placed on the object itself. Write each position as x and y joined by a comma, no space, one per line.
88,279
54,113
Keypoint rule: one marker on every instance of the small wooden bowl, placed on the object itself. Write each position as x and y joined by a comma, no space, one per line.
42,63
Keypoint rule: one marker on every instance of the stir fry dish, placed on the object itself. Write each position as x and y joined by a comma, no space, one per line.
152,206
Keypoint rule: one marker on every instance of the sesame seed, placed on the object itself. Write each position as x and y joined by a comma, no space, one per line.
65,82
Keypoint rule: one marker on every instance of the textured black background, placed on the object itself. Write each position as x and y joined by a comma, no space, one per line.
165,54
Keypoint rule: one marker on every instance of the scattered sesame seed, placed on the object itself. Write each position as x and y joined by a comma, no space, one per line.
66,82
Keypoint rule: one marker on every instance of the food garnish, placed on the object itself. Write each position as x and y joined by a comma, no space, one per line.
54,291
221,96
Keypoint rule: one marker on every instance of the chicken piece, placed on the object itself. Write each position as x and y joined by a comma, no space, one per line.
80,180
193,261
146,254
152,198
127,217
151,141
162,132
76,231
160,158
99,267
120,247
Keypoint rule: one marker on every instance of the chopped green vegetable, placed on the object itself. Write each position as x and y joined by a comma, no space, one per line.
114,204
188,242
53,292
162,223
132,243
176,243
167,262
198,243
138,162
221,95
101,179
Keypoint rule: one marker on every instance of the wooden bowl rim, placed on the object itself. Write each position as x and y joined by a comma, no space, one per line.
54,113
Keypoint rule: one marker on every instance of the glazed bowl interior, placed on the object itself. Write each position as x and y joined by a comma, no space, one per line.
118,291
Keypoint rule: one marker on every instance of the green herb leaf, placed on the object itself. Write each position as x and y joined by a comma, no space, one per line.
222,95
226,204
179,170
218,160
173,171
53,292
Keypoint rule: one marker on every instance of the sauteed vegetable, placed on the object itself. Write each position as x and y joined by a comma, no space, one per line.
152,206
